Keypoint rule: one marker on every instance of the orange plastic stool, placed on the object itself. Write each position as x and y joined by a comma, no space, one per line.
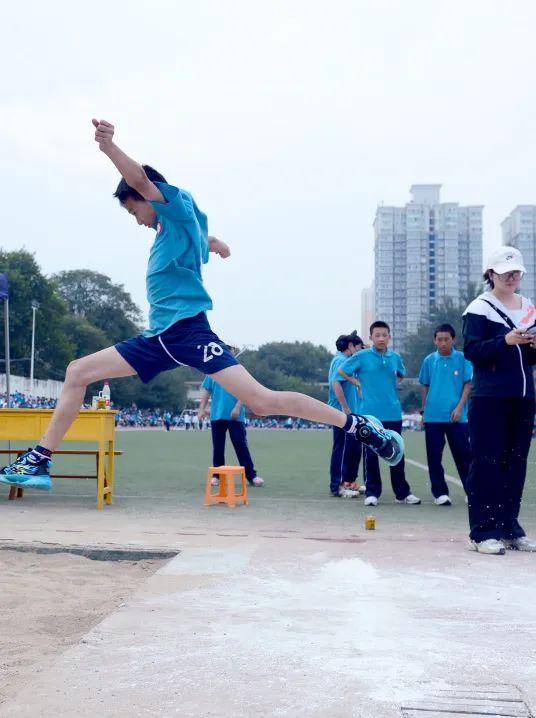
226,493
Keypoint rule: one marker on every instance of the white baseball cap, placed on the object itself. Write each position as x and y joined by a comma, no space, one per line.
505,259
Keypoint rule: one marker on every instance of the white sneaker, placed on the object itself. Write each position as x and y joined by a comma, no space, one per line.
371,501
490,546
257,481
443,500
410,499
348,493
520,544
214,481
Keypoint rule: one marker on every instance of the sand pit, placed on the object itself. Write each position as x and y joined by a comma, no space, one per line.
48,602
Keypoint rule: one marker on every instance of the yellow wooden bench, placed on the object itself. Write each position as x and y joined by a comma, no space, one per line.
96,426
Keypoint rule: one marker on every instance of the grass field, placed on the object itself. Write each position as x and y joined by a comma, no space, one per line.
171,468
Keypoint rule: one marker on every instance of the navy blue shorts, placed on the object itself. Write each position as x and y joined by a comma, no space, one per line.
188,342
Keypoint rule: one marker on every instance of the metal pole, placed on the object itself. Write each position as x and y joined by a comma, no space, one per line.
8,366
34,309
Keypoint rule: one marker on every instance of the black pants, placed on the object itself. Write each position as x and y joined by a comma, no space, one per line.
457,434
237,432
500,431
345,458
373,481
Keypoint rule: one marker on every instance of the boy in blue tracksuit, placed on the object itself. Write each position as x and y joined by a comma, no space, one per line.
343,395
446,379
377,371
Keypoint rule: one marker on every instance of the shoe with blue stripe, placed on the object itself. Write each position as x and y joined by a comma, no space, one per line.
388,444
27,474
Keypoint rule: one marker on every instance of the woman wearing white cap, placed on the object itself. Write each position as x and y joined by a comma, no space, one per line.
499,338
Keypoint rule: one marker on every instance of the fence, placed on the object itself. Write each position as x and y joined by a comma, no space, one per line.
42,387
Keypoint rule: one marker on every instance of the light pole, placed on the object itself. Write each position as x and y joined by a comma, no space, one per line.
35,307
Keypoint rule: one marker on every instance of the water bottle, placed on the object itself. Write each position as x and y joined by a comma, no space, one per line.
106,394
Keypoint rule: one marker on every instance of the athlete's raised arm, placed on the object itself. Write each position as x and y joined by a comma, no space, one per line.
132,172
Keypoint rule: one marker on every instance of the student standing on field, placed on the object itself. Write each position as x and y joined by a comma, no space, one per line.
377,371
344,395
499,339
446,382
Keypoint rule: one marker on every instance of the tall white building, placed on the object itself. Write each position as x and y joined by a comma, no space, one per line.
425,252
367,311
519,230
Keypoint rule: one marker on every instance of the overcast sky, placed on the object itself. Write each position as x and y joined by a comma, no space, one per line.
288,121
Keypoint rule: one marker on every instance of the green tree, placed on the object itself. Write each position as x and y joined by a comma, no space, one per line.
83,336
290,366
105,305
26,284
305,360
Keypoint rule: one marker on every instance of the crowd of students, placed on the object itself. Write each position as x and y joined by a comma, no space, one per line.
18,400
135,418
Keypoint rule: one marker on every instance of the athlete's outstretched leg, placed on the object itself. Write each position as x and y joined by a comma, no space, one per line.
265,402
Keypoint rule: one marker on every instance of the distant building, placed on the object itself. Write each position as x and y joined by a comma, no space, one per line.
519,231
367,310
425,252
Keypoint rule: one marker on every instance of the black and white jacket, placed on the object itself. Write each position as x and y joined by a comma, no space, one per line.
500,370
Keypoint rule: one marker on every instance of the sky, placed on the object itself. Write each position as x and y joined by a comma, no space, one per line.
288,121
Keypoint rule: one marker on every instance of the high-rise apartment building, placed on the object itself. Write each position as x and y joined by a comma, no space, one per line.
425,252
519,231
367,311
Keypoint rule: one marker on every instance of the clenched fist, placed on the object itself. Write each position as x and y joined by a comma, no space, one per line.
104,133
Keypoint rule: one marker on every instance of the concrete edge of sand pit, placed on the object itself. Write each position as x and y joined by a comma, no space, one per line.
94,553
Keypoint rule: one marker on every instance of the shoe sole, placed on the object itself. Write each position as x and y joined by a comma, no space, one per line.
395,436
30,484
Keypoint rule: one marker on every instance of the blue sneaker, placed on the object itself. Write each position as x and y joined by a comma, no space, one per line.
388,444
26,474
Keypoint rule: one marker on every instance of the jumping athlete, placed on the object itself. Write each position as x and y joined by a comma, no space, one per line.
179,332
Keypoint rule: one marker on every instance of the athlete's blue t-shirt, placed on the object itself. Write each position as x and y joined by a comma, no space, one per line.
377,373
222,402
349,390
444,377
174,285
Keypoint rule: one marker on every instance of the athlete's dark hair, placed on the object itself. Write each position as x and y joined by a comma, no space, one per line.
125,191
355,339
379,325
445,328
342,343
488,278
